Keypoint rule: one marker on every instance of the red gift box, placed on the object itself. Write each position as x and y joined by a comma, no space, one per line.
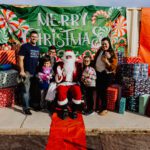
132,60
111,105
7,57
112,95
7,97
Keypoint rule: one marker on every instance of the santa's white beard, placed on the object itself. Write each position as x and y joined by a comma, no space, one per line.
69,68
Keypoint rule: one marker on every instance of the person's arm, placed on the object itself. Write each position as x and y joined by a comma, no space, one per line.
21,66
59,75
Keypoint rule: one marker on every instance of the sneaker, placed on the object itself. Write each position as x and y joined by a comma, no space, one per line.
102,113
27,112
37,108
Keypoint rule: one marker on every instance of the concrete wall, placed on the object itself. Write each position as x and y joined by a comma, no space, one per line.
101,141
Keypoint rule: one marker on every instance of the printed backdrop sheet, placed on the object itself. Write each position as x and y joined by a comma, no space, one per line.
77,28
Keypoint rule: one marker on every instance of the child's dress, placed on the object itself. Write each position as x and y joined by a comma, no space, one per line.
44,82
45,77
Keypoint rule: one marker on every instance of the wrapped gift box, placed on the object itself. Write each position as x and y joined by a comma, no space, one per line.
119,88
7,97
119,75
135,86
134,70
111,105
8,78
7,57
143,103
122,105
120,55
147,112
133,103
132,60
111,96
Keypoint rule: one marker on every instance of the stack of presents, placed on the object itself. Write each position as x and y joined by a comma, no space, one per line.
132,89
8,77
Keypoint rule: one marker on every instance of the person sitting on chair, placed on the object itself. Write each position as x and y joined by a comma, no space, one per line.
68,74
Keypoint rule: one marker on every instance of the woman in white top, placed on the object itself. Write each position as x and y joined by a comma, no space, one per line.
105,63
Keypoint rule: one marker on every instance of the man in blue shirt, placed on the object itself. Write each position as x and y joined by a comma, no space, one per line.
28,61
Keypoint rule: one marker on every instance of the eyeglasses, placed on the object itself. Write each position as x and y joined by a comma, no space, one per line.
52,52
104,44
86,60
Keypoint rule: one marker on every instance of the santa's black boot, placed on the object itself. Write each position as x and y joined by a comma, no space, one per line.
64,114
73,114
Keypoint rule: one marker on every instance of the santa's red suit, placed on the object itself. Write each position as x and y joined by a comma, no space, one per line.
67,80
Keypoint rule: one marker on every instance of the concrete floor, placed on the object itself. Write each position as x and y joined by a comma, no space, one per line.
13,121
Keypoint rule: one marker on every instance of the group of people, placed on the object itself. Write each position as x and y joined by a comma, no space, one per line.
69,78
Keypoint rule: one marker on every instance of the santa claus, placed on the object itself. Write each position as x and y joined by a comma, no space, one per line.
67,76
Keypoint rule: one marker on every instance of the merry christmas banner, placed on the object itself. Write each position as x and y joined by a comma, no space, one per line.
77,28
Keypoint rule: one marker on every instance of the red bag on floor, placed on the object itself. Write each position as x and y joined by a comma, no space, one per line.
67,134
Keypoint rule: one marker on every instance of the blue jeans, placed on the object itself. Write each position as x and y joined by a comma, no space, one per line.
25,91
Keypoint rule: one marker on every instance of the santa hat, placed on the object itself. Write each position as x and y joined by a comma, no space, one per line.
69,53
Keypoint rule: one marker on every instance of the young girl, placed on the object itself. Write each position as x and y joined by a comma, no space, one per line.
45,75
89,80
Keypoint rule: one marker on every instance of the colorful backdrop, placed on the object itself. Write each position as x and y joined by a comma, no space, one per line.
77,28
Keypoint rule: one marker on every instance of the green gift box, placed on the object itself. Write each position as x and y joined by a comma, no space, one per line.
143,99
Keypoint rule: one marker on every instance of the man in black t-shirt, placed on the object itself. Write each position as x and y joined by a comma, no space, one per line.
28,61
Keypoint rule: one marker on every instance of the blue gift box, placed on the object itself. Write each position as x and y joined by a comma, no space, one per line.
122,105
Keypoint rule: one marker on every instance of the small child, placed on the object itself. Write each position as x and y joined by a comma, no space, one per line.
89,80
44,76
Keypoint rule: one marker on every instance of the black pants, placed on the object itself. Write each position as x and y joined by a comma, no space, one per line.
89,93
104,80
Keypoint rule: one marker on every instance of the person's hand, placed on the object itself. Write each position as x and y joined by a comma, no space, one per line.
86,82
23,74
49,76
